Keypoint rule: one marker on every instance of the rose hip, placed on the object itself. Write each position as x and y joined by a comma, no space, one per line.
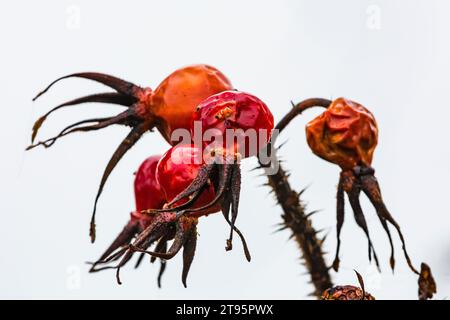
147,191
177,169
346,134
177,97
241,120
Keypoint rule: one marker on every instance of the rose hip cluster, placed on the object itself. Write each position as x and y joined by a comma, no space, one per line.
194,179
190,180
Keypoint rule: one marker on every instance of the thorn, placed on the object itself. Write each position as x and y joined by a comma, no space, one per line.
304,189
281,145
279,224
319,231
321,241
280,229
311,213
266,184
293,104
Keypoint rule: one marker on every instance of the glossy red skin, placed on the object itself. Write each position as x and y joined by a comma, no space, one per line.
177,169
147,191
175,99
235,110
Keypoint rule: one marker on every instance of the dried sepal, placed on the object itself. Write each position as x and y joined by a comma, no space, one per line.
427,285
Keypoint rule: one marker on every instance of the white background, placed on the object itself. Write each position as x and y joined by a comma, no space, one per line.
391,56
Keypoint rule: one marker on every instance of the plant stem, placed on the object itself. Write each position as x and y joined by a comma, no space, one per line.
294,212
295,218
299,108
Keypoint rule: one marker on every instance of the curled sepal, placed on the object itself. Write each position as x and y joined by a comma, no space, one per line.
371,188
136,116
226,182
352,182
188,252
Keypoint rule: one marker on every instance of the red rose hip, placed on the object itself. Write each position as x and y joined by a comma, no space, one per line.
241,120
177,169
147,191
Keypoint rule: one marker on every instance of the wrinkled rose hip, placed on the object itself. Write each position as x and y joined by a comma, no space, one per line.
345,134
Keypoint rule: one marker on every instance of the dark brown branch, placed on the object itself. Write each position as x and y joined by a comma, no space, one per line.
296,219
294,212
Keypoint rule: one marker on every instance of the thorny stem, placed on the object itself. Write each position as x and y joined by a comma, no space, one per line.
295,217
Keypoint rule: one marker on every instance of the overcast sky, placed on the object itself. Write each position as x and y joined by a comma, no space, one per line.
391,56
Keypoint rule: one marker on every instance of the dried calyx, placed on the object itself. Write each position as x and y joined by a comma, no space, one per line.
148,194
195,188
142,231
